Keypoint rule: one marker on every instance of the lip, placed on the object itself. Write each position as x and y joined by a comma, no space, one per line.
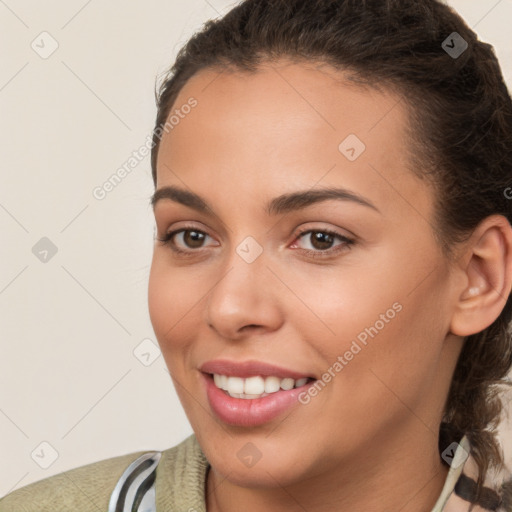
253,412
243,412
250,368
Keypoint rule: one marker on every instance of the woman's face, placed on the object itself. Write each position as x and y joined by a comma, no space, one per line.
308,252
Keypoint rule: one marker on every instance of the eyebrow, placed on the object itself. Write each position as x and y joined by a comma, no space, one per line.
279,205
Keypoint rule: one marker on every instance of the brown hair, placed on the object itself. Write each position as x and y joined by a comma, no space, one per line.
460,127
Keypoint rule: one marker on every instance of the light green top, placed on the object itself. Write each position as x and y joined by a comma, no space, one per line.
179,484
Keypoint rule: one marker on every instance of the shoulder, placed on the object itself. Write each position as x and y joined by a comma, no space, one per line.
181,477
84,488
460,490
88,487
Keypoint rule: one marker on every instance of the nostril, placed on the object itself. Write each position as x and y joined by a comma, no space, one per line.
250,327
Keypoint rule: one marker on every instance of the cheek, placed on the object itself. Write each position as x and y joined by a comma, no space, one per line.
342,303
159,299
394,348
172,302
376,316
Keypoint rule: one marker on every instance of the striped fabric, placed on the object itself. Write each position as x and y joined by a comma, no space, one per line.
135,490
459,492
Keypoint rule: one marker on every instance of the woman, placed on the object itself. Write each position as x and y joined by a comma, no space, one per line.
331,280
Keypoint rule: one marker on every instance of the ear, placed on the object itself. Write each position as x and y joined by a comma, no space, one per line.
487,267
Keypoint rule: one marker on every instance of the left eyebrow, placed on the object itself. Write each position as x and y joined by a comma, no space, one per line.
300,200
279,205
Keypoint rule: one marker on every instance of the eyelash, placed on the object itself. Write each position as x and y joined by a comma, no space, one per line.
347,242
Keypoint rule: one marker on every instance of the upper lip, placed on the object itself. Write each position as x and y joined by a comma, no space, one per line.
246,369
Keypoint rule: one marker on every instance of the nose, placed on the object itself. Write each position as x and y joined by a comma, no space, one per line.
244,301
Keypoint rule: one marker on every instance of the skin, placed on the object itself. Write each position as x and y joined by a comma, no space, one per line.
368,440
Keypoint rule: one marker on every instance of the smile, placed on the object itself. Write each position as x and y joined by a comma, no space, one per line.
257,386
252,393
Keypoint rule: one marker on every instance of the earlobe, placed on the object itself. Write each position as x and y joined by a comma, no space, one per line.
488,277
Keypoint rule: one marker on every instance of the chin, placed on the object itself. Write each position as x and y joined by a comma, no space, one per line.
256,461
263,475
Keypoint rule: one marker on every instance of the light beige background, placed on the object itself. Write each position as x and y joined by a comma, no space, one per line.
69,376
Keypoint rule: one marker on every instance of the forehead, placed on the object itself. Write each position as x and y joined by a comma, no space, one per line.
314,93
290,124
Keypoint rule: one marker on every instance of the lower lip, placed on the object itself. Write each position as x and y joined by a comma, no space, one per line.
250,412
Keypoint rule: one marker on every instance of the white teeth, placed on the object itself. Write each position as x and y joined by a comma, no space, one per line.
235,385
272,384
255,387
246,396
287,384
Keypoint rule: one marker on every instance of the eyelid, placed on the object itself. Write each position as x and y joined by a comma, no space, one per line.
333,231
169,235
346,242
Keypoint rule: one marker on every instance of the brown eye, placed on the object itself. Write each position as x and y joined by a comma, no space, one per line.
185,240
193,239
321,240
322,243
